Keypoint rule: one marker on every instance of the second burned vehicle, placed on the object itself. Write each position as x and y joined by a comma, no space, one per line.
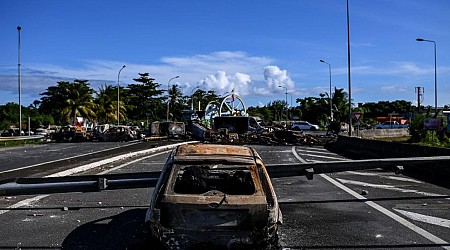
214,196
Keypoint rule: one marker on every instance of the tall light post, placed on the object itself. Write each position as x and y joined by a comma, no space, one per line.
19,83
435,73
350,115
280,86
118,95
192,96
168,97
330,97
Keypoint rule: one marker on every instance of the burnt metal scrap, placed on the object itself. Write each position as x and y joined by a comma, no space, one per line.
104,132
251,130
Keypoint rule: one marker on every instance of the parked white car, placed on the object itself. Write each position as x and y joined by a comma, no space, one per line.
303,125
41,131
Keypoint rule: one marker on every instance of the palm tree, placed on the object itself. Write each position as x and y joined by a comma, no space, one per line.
340,105
106,102
79,101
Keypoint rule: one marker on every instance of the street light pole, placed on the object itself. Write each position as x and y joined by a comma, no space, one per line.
287,108
349,76
435,73
118,95
331,99
168,97
19,83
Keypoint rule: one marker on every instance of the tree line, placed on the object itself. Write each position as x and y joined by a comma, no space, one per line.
145,101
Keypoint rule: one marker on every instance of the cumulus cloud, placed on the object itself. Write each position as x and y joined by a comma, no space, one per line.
222,83
273,78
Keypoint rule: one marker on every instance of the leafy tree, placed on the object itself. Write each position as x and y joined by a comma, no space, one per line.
9,115
278,109
144,99
262,112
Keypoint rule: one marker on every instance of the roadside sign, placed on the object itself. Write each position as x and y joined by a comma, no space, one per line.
357,116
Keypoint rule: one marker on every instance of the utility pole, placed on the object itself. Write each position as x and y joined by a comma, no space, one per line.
419,97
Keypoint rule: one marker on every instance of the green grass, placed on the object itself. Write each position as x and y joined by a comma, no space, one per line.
18,143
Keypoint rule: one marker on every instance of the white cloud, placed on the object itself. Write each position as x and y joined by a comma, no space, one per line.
273,78
394,89
221,83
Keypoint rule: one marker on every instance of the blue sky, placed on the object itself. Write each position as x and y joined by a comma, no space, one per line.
253,46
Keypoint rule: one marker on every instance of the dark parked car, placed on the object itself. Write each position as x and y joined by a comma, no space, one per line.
214,196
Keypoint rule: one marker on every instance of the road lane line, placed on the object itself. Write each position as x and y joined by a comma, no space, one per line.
131,162
425,218
323,156
113,159
387,187
29,201
297,156
433,238
23,203
48,162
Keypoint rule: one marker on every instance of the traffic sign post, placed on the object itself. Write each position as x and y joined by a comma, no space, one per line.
357,117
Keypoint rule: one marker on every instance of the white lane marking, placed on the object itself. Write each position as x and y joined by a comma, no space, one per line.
402,179
390,214
131,162
387,187
314,155
362,173
109,160
323,156
381,209
319,152
39,164
296,155
29,201
384,176
26,202
312,148
425,218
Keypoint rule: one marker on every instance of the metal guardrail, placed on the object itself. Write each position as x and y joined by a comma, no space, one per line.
93,183
20,138
86,183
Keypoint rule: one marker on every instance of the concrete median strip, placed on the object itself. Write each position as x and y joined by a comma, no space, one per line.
114,159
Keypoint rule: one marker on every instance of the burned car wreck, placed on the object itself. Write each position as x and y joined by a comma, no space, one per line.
214,196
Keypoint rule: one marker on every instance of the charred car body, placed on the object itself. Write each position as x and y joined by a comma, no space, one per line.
214,195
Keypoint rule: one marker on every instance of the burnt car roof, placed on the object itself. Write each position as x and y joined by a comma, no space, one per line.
213,149
214,152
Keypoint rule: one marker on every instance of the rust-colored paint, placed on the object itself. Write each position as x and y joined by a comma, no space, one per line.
213,149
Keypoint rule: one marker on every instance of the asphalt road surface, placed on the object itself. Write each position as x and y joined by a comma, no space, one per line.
349,210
